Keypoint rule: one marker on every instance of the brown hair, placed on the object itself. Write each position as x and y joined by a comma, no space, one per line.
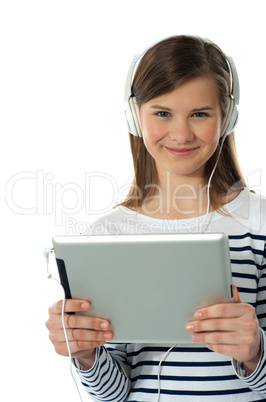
164,67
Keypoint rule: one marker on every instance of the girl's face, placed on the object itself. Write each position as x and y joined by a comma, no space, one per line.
181,129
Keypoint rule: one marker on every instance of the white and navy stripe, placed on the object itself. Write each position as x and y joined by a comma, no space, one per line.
191,372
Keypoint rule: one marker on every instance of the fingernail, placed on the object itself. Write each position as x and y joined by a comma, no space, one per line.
85,306
198,315
104,325
101,343
108,335
189,327
195,338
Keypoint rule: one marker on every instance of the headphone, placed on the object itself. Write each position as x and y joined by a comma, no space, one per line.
132,108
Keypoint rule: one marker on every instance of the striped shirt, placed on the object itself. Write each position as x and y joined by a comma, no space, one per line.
191,372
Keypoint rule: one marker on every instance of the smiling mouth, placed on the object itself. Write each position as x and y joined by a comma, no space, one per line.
181,151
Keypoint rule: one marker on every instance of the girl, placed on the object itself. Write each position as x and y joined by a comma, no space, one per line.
181,112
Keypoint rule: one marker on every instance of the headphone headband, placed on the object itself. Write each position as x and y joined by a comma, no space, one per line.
132,108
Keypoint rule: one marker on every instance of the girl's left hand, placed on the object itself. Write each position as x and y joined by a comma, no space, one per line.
231,329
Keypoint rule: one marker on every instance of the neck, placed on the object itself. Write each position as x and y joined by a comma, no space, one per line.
177,199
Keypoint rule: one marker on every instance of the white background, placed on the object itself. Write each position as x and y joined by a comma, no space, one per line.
62,71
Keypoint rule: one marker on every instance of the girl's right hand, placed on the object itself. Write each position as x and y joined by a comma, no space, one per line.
84,333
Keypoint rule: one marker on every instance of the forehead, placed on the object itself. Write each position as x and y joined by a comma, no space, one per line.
195,92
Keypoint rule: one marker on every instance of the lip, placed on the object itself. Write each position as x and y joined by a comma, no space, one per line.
181,151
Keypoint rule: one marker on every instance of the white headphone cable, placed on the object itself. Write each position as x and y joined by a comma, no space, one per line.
160,369
204,228
46,253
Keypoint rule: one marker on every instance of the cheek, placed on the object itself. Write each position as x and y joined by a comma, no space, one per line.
210,134
152,133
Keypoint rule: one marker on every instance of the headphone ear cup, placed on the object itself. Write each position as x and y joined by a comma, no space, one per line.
232,114
135,112
132,117
231,119
129,119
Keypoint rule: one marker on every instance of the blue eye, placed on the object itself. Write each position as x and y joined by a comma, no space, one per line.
163,114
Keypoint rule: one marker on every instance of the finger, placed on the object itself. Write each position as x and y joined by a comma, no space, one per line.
225,310
236,295
84,335
229,350
71,306
216,324
75,347
76,321
244,351
85,322
220,338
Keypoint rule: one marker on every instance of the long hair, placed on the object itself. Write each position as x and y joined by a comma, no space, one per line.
163,68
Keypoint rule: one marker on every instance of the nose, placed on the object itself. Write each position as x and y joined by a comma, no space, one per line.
180,130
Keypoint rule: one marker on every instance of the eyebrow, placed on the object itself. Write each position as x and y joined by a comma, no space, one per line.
160,107
202,108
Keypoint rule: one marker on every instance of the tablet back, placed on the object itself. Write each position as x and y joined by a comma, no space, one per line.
148,286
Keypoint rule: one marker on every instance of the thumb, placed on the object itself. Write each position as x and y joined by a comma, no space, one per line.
236,295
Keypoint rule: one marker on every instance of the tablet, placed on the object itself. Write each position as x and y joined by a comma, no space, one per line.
147,286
